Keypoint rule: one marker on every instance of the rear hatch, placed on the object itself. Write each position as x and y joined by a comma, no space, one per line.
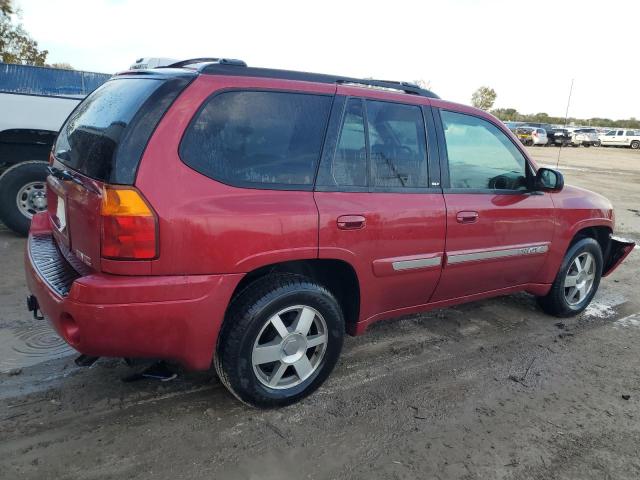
97,153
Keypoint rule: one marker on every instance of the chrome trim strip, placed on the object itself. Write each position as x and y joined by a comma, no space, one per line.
417,263
491,254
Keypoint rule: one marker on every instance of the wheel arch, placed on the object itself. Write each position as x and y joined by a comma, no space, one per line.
338,276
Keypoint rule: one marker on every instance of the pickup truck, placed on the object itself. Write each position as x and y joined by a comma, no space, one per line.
621,138
34,103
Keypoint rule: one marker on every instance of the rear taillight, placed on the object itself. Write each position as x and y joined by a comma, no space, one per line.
129,226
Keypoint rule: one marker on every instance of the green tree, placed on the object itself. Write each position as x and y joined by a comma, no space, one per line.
16,46
61,66
484,98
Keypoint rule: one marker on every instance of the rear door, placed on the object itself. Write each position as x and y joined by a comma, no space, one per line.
378,209
498,232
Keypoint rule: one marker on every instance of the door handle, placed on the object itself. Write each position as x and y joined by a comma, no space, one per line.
351,222
467,217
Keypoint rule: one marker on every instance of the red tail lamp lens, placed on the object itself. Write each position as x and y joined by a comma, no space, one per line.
128,225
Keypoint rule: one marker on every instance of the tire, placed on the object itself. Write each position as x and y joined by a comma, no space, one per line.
556,302
26,179
248,326
597,143
635,144
586,145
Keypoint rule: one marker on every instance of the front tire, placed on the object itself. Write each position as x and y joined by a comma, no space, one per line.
281,338
577,280
22,194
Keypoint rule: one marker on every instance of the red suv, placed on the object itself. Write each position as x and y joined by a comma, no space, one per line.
212,212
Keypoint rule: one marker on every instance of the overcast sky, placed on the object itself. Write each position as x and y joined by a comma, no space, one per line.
527,51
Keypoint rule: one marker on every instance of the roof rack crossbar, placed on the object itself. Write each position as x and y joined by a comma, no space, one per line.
232,70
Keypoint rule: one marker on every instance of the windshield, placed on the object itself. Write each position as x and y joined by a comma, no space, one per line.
89,139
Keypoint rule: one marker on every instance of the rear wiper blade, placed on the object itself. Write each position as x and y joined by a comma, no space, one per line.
65,175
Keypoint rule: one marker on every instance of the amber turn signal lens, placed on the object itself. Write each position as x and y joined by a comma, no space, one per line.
121,201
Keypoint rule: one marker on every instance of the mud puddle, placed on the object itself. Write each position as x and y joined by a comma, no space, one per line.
30,344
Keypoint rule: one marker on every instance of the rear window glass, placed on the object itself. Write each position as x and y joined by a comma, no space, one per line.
260,139
90,137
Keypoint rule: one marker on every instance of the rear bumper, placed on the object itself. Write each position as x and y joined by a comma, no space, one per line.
170,317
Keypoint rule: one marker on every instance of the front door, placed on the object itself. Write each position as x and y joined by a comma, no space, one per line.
377,211
498,230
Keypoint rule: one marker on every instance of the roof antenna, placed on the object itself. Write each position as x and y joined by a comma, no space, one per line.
566,117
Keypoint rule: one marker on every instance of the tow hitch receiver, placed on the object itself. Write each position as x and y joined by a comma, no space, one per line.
32,306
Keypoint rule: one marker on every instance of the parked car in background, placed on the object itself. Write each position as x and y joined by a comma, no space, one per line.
539,136
586,137
621,138
34,103
559,137
248,217
532,135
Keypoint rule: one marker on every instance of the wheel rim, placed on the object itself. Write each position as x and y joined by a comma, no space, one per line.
31,199
289,347
580,277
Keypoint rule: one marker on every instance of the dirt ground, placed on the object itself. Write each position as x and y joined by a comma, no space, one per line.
493,389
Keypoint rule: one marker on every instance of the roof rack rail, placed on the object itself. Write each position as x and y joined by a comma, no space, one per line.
213,60
233,70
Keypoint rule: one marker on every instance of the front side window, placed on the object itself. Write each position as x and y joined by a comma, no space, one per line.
611,133
480,155
256,138
620,133
398,147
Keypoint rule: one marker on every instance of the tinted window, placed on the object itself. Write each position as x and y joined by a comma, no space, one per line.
480,155
257,138
629,133
90,137
397,143
349,166
611,133
620,133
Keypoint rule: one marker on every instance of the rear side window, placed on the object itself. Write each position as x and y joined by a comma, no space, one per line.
349,166
259,139
398,145
89,139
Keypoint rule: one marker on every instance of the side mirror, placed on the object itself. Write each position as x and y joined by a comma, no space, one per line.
548,179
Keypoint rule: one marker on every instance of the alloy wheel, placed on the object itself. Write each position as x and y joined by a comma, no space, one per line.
579,279
290,347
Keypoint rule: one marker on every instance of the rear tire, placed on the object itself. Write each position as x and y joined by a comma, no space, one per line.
572,290
269,351
22,194
635,144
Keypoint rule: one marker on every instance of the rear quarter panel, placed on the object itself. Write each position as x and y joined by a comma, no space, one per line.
208,227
